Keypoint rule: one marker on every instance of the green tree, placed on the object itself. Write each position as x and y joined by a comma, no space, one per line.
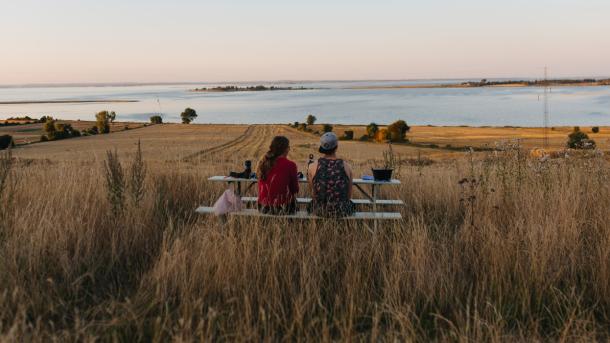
102,122
61,131
44,119
348,135
49,127
580,140
311,119
595,129
327,128
54,130
372,129
112,116
397,131
156,120
188,115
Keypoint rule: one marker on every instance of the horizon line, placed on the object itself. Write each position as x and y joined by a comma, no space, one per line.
167,83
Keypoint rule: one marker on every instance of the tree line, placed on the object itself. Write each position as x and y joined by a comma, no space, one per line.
395,132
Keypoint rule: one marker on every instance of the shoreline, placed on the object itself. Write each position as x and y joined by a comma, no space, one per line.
36,102
508,84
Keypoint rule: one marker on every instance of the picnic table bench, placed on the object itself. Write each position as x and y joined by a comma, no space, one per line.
242,185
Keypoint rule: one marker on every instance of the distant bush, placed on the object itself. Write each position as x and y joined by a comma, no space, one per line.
327,128
44,119
381,135
102,121
302,126
91,131
397,131
364,138
372,129
156,120
595,129
580,140
348,135
55,131
188,115
24,118
311,119
6,141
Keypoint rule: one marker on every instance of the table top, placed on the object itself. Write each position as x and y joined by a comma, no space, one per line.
221,178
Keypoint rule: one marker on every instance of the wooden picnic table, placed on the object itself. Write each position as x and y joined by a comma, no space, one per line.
358,183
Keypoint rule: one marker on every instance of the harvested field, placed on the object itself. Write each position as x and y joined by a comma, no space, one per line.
494,246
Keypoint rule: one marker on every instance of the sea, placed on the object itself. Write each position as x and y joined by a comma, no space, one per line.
335,102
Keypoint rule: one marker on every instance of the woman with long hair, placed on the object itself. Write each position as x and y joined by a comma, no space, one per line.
278,182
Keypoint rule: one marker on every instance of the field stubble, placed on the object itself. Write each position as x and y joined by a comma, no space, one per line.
494,246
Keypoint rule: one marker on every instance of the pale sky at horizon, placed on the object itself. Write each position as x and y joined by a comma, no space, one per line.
184,40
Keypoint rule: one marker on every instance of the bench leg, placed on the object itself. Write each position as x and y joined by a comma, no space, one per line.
374,196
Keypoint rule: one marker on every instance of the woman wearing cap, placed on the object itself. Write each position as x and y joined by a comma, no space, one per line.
278,183
330,181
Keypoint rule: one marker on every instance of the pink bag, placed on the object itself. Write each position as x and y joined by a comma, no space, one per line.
228,202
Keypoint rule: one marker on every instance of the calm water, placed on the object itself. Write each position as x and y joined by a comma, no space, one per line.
334,104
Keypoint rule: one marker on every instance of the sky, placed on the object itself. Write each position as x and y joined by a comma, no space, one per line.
69,41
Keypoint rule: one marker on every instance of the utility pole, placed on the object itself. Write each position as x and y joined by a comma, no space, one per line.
546,120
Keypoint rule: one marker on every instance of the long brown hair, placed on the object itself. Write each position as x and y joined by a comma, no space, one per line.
278,147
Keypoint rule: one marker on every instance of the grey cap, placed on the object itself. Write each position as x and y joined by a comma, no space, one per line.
329,141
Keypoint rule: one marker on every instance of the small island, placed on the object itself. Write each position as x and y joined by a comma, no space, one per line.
259,88
537,83
503,83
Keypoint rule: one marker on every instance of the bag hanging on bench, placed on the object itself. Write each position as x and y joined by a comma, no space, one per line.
227,203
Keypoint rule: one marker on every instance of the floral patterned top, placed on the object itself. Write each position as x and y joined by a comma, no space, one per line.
331,190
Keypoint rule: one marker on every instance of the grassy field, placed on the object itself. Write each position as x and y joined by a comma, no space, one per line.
30,133
494,245
464,136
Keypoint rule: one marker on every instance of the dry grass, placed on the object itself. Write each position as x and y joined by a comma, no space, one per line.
457,136
30,133
520,250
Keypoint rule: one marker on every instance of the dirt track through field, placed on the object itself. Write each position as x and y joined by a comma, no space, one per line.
220,148
249,145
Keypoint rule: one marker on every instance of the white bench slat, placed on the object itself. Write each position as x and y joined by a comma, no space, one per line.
220,178
305,215
355,201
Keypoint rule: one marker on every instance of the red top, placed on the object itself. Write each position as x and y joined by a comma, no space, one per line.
281,184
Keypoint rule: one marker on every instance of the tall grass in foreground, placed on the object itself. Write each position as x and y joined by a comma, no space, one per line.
499,248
